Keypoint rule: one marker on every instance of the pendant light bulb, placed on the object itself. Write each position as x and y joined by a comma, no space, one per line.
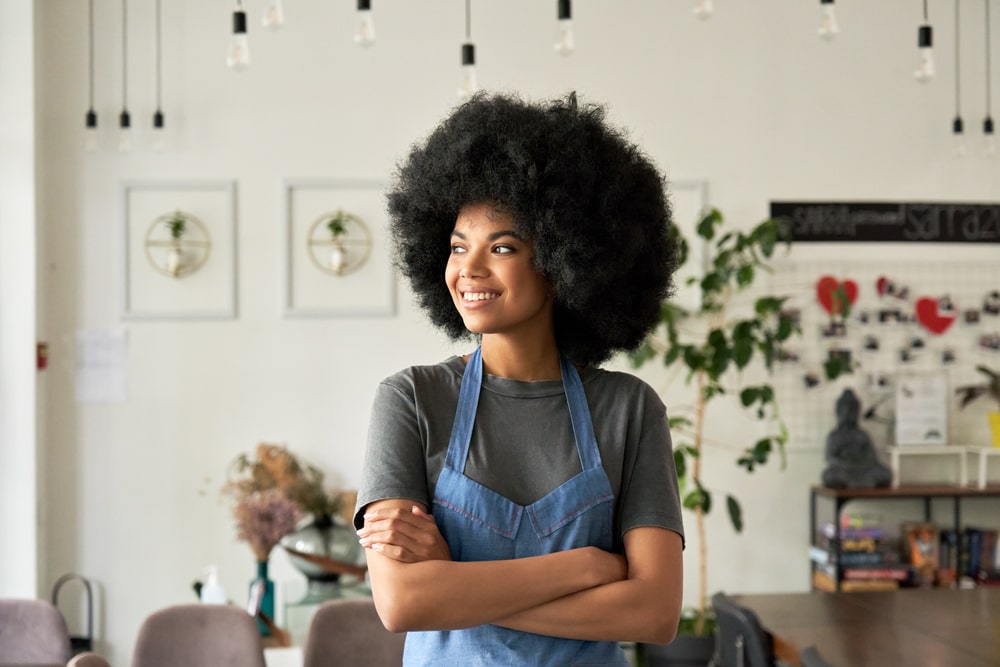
925,44
828,27
704,9
159,140
365,34
124,131
238,56
274,15
565,42
90,133
469,82
958,136
989,141
90,123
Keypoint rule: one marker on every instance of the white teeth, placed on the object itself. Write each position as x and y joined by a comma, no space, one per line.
479,296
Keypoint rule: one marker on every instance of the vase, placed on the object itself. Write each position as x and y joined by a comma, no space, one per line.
684,651
334,540
266,596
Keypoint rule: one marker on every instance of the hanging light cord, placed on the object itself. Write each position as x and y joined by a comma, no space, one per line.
124,56
468,20
159,76
90,56
988,93
958,78
925,11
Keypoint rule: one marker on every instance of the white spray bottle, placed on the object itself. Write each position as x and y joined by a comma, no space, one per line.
212,591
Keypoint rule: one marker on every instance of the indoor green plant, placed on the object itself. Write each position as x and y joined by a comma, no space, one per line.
337,225
990,387
177,225
713,344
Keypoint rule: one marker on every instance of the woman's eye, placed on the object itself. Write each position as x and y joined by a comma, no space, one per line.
503,249
457,249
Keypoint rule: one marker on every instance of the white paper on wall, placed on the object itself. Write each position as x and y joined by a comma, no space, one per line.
101,358
922,409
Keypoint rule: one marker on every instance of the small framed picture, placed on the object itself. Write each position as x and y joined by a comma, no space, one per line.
921,545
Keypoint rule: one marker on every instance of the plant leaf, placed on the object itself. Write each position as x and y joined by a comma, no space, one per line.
735,513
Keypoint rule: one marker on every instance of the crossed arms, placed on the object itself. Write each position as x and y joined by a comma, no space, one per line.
583,593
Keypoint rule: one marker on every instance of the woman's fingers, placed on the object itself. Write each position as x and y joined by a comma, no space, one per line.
409,536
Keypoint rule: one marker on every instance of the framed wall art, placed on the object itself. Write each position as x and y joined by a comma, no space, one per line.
688,201
337,256
179,250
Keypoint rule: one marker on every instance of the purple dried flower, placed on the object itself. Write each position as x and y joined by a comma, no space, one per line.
263,518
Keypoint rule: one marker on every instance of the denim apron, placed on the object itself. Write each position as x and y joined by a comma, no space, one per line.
480,524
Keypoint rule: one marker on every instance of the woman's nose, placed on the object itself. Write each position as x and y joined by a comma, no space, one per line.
473,266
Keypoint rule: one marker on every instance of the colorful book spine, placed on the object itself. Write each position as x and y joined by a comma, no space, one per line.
902,574
852,533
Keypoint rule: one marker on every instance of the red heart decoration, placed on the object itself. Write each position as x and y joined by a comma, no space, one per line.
881,284
828,286
929,315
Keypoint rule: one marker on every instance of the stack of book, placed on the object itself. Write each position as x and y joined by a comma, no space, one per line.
981,556
867,558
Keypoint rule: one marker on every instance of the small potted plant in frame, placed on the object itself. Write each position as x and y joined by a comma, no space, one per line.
177,225
338,229
990,387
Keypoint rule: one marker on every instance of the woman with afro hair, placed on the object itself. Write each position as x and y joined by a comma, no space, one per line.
519,504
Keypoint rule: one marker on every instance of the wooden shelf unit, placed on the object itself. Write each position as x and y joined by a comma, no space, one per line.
928,492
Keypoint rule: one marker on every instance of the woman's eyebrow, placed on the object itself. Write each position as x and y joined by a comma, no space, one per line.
492,237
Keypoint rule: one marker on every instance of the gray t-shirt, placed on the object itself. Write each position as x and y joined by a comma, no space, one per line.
522,443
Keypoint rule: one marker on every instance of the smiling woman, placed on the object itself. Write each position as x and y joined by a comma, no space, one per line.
519,504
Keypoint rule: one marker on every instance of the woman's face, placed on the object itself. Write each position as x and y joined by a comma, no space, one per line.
493,283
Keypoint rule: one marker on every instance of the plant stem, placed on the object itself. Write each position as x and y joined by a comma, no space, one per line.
699,516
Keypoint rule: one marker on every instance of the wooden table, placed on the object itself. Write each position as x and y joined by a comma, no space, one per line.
912,627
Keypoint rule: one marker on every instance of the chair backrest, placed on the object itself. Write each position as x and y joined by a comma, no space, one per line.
349,632
88,659
741,639
199,635
32,632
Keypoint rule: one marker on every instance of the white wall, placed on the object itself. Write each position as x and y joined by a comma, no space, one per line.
19,452
752,100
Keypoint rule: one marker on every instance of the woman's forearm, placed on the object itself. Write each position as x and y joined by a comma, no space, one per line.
643,608
620,611
449,595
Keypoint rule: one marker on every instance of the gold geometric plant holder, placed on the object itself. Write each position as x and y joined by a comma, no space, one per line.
177,244
339,243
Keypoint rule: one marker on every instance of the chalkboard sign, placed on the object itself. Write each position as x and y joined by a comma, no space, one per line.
890,222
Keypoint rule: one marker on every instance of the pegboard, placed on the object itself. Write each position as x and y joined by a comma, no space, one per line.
886,334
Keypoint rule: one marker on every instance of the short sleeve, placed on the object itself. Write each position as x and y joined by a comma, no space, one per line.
394,463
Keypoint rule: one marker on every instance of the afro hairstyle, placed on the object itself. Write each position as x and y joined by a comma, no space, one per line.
591,202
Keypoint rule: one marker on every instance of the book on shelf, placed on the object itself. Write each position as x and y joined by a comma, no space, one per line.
900,573
829,530
859,520
824,582
981,551
887,555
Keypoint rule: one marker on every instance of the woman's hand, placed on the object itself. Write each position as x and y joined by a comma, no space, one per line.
406,536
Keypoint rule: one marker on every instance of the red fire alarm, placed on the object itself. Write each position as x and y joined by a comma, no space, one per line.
42,356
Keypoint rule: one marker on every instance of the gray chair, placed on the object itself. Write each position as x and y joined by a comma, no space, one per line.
32,632
199,635
349,632
742,642
88,659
